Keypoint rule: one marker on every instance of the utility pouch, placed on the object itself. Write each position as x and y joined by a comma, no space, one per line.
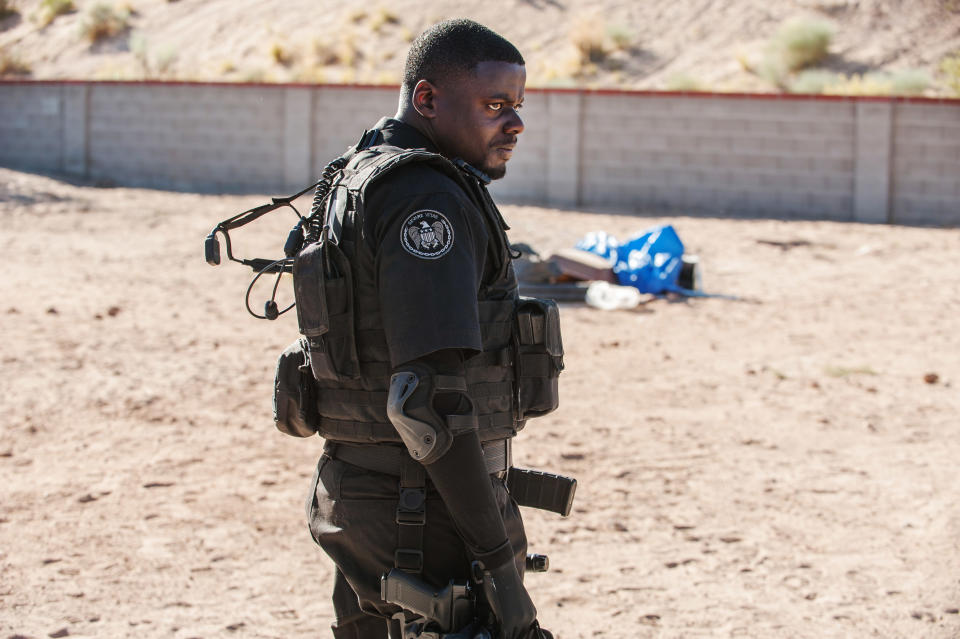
323,290
539,357
546,491
295,393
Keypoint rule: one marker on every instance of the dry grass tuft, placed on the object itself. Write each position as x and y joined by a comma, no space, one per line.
51,9
950,70
383,17
341,50
814,81
685,82
803,42
152,63
104,22
905,82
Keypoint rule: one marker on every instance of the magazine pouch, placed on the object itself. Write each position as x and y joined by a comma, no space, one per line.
539,357
323,290
295,393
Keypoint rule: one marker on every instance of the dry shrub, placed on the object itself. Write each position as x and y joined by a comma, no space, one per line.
357,16
950,70
152,63
103,22
341,50
798,43
7,9
12,65
621,36
280,55
590,39
50,9
802,42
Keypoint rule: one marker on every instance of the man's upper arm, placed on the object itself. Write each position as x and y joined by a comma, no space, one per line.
429,245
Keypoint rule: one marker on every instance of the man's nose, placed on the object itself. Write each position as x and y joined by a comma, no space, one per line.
514,125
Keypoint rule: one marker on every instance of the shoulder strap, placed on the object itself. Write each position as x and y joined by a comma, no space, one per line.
373,163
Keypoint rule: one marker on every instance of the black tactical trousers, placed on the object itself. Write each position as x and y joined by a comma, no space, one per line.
352,516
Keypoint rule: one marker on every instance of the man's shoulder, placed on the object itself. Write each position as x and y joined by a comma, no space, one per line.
422,176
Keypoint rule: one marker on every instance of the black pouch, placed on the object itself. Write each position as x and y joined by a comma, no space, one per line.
546,491
539,357
323,290
295,393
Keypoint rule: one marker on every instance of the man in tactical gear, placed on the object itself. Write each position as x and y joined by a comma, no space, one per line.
423,396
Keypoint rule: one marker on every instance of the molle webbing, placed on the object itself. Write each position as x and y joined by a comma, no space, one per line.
355,410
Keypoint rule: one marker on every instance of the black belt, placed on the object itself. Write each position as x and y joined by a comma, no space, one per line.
389,458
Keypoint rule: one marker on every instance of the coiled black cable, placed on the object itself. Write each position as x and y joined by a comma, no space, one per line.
315,220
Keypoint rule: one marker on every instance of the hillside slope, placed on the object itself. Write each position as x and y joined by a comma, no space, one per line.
655,44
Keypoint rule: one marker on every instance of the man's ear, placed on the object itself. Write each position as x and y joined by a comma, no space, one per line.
424,98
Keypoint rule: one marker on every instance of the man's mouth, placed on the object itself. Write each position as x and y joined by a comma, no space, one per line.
505,149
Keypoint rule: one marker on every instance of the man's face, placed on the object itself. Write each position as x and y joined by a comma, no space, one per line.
476,115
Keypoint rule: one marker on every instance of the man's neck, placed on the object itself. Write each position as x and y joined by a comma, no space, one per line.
418,122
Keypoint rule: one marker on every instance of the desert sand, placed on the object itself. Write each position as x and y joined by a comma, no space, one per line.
782,465
711,45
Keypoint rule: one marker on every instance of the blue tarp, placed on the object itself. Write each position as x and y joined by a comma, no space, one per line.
649,261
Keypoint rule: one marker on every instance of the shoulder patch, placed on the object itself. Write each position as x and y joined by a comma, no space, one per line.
427,233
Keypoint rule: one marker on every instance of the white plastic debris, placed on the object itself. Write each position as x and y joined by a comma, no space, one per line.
611,297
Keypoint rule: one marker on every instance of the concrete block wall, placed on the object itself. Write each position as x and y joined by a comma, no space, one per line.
186,137
339,117
925,168
719,154
869,160
31,126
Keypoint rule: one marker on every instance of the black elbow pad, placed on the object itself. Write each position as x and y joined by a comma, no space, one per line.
411,409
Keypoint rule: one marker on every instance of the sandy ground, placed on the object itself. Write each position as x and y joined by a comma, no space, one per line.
771,467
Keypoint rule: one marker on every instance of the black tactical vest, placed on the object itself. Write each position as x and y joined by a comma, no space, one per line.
348,352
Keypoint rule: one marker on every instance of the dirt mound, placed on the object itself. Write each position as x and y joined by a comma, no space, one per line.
657,44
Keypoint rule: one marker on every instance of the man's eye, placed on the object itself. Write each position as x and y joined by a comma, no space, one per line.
517,107
496,106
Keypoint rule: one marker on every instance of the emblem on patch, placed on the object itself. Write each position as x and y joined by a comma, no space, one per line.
427,234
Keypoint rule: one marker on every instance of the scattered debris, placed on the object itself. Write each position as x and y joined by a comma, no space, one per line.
786,245
158,484
931,378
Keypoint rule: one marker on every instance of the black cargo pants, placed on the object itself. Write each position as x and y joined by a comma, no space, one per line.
352,516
